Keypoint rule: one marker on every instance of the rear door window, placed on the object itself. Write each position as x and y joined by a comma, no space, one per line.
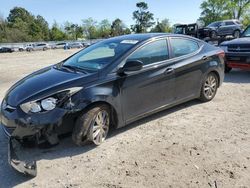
181,46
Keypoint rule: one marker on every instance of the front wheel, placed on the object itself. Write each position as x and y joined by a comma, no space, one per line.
209,87
92,126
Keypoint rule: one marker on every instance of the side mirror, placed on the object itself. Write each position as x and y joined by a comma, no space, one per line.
130,66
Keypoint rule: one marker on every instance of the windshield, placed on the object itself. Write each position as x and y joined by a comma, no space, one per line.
100,54
246,33
214,24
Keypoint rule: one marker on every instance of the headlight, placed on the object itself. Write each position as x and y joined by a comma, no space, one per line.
48,103
224,48
33,107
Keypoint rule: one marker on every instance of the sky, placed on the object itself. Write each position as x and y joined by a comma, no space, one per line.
177,11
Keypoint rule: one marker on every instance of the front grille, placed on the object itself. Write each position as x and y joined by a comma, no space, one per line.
239,48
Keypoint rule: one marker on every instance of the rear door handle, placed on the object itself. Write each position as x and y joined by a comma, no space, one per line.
169,71
204,58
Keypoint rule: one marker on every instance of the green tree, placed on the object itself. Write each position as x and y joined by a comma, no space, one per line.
43,26
3,27
26,27
163,26
238,8
143,18
117,27
74,30
246,19
104,28
89,28
19,13
215,10
56,34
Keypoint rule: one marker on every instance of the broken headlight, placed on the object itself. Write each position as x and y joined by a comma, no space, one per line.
49,103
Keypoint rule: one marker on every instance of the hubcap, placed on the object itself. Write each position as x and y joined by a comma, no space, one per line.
210,87
100,127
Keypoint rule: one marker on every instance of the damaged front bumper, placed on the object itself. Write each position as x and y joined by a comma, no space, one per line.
34,129
25,167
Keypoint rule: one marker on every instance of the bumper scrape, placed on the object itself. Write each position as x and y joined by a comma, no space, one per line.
28,168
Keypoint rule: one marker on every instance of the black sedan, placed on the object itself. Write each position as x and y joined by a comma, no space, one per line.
111,83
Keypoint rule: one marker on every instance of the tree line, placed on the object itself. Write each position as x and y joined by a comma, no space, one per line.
23,26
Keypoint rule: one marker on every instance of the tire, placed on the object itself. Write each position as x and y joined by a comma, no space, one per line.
227,69
209,87
90,126
213,35
44,49
236,34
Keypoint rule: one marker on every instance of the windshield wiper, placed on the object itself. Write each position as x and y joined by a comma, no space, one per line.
69,68
75,69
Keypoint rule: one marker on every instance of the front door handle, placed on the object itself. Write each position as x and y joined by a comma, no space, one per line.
169,71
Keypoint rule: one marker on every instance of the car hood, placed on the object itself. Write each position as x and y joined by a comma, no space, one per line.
45,82
243,40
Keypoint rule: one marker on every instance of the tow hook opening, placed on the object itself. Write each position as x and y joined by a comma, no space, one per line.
26,167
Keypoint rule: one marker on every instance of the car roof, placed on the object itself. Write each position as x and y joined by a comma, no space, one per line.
146,36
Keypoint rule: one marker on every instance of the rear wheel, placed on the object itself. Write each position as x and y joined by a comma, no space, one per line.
209,87
92,126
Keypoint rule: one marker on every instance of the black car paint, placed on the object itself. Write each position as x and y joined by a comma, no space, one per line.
131,95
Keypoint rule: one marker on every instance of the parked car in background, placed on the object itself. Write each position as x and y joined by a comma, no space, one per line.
75,45
60,45
6,50
237,52
222,29
24,47
86,44
39,46
111,83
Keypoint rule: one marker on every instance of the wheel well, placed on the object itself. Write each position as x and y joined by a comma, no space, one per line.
114,116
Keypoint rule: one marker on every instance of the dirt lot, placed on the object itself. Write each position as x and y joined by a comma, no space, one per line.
191,145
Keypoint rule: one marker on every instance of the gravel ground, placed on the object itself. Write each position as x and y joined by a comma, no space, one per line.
192,145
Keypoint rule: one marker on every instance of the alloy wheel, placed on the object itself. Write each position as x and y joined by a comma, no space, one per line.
100,127
210,86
